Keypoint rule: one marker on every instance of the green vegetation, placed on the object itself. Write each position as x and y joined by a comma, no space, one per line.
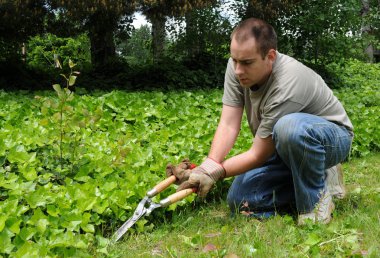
207,229
360,94
44,51
66,183
74,162
186,46
73,167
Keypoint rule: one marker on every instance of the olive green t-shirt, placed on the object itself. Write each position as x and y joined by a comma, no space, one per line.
291,88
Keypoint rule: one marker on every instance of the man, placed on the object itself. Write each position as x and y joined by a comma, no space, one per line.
300,130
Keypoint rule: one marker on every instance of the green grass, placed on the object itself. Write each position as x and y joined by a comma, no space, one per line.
207,230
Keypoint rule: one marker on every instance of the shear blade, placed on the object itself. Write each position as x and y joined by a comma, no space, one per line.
124,228
139,212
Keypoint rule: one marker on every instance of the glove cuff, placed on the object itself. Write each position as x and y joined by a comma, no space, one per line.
214,169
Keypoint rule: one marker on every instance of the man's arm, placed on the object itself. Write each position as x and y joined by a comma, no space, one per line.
226,133
204,176
261,150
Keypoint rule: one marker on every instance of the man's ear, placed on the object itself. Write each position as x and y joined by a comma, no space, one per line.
272,54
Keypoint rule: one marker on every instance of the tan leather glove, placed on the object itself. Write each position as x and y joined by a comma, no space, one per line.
181,171
204,177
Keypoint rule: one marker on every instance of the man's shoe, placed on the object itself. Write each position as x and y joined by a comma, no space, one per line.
322,211
335,182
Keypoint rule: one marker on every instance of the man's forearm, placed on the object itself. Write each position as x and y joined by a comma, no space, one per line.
241,163
224,140
226,133
256,156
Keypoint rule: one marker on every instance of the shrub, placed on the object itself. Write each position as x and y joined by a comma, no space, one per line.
43,49
359,92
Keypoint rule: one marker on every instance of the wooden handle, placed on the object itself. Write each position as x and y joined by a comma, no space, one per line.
161,186
180,195
165,183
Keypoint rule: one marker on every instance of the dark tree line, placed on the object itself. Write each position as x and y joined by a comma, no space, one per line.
312,30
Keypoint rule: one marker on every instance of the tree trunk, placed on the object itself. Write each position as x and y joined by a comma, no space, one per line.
23,52
366,29
101,35
158,35
193,40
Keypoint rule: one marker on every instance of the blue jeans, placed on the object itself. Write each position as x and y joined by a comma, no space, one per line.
306,145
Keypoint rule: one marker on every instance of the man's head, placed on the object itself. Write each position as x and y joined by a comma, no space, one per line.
253,50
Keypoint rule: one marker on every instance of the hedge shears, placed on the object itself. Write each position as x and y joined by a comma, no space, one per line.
146,205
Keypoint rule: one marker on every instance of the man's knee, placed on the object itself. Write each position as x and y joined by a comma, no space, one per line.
244,200
232,202
234,196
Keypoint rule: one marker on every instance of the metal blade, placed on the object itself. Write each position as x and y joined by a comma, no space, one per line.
124,228
139,212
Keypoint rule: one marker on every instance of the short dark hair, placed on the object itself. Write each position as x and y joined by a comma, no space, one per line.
262,32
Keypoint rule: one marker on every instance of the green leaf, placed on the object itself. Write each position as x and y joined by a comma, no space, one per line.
52,210
189,241
100,207
140,225
27,233
109,186
87,203
70,96
13,224
89,228
37,198
102,242
9,206
71,64
58,89
3,218
29,172
72,79
63,240
2,160
6,245
58,63
19,154
39,220
64,76
28,249
21,209
313,239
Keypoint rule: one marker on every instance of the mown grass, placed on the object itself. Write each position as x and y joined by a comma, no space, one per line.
208,230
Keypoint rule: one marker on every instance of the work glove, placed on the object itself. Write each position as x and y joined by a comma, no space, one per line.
181,171
204,177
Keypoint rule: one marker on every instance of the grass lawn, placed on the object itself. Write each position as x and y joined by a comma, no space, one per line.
207,230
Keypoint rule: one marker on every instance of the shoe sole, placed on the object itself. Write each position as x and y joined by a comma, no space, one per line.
326,220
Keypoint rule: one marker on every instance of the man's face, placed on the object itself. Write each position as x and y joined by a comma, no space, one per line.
250,68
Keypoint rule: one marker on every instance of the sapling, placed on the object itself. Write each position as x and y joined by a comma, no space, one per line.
65,94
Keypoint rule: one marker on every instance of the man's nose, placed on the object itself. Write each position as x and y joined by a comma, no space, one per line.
238,69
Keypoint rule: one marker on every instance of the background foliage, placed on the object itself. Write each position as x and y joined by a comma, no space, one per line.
72,171
74,164
361,97
190,35
44,50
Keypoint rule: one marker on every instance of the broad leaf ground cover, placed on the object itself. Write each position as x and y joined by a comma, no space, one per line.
67,182
71,174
